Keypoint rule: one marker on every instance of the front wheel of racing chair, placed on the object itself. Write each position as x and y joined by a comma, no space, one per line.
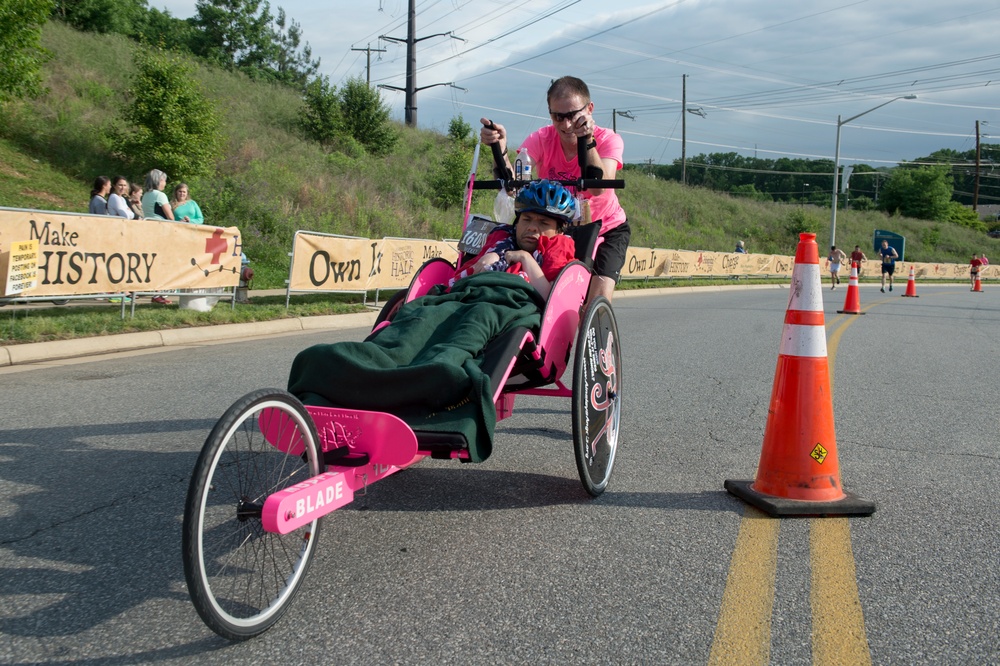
597,377
242,578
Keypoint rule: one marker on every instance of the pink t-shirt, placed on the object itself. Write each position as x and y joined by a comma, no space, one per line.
550,162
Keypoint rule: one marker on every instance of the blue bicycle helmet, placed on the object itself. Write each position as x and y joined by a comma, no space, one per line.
542,196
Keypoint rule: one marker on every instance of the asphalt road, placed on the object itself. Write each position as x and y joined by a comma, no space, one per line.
509,561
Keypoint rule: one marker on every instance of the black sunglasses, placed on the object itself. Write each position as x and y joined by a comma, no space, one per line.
558,117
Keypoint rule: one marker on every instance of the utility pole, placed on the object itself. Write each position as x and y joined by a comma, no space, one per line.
368,67
614,118
684,115
975,192
411,89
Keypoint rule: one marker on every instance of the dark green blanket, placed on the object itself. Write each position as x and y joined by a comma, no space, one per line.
425,367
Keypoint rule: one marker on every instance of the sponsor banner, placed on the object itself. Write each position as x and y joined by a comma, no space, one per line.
322,262
685,263
936,271
402,257
88,254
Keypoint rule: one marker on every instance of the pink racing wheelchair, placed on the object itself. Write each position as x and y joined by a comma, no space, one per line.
271,467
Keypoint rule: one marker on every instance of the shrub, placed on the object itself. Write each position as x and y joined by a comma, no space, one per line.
448,179
321,117
366,117
171,125
966,217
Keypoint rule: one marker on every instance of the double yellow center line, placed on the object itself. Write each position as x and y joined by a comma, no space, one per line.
743,632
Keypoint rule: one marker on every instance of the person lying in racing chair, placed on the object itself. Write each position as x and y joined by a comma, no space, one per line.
534,247
425,367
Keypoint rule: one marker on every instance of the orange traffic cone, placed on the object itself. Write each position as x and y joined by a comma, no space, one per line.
799,473
852,304
911,286
977,285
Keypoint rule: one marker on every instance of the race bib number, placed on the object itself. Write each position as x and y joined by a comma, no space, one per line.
477,229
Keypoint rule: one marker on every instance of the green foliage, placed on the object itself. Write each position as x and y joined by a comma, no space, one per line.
863,203
449,178
233,33
290,65
321,117
922,192
459,130
171,125
21,51
800,222
367,117
931,237
966,217
104,16
749,192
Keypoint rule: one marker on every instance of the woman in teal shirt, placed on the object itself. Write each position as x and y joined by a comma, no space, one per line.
185,207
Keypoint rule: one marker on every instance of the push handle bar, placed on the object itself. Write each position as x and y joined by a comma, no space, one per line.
581,183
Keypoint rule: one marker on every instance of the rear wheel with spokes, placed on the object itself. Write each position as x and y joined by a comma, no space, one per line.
597,400
241,578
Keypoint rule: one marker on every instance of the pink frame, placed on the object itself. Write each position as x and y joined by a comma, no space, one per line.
389,443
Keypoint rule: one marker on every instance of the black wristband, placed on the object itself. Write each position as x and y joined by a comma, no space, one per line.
592,144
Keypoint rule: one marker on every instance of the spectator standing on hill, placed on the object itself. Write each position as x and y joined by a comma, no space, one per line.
889,257
553,149
836,258
184,207
739,248
99,196
155,205
858,257
135,200
117,202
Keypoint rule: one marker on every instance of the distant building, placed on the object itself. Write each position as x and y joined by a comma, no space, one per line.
989,213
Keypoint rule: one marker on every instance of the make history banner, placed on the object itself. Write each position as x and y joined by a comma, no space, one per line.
91,254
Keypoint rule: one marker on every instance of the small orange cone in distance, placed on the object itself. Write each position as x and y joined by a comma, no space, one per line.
799,471
977,285
852,304
911,286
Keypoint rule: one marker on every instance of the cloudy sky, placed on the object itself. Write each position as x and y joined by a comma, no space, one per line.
763,78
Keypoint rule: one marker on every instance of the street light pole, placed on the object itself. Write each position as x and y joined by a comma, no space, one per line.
836,163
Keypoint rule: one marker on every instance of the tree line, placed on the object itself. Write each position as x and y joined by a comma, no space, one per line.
940,186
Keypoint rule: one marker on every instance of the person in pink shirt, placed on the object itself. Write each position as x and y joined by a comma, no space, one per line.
553,149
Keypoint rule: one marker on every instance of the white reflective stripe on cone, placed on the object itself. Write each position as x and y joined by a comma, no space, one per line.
805,341
806,289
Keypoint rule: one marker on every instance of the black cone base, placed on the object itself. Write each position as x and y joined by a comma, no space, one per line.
774,506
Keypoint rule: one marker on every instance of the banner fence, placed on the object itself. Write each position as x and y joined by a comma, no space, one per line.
52,255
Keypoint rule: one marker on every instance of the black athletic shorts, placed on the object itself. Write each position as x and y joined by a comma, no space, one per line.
610,256
889,268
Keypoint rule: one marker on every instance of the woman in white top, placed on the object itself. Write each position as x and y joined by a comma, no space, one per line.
117,202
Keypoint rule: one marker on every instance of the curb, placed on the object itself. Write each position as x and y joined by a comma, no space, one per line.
56,350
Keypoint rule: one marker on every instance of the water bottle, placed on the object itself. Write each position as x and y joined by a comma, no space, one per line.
523,165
